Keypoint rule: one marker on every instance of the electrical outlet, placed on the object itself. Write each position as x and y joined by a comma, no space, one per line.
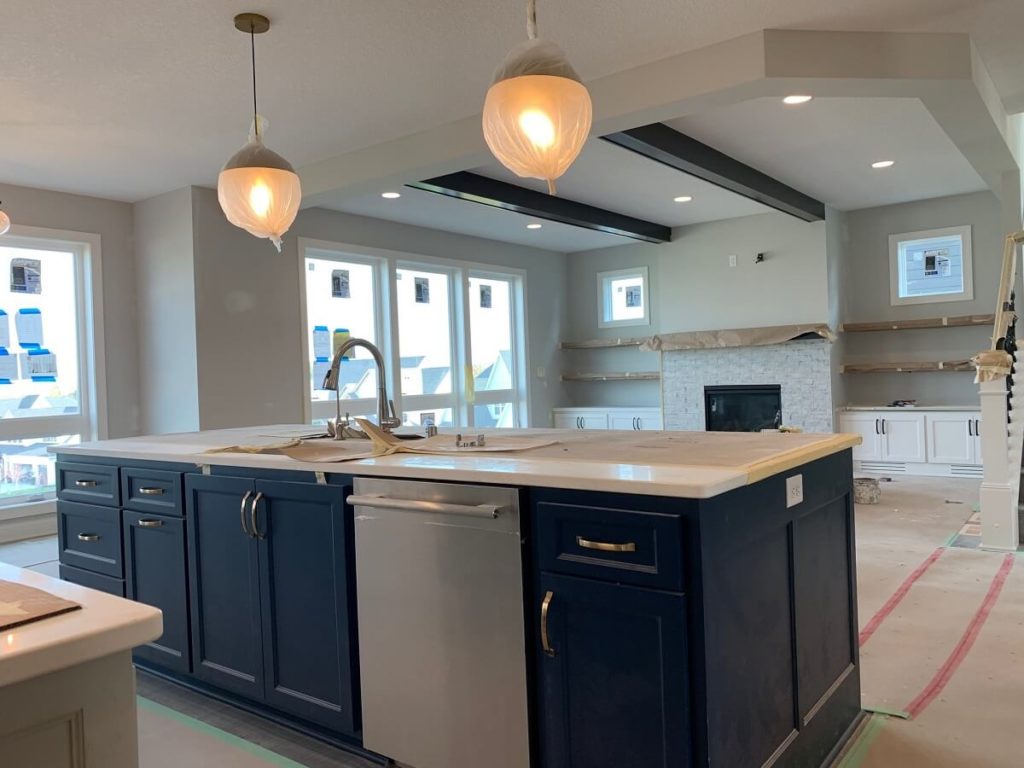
732,259
794,490
541,373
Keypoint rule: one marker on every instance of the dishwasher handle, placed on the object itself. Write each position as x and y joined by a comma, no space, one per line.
490,511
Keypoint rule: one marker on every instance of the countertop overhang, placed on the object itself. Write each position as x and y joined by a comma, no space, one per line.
676,464
103,626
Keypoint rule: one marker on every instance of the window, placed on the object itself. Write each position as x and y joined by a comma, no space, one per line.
931,266
622,298
452,334
49,392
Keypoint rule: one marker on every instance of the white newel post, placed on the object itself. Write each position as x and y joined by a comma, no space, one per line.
1001,481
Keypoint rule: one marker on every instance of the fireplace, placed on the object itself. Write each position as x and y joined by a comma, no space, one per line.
748,408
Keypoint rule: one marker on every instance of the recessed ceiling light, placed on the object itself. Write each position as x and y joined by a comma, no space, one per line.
535,225
682,199
797,98
391,195
883,164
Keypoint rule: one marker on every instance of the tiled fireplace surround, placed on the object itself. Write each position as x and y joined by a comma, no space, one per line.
802,368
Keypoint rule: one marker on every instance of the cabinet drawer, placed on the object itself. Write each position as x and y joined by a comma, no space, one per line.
88,483
90,538
152,490
92,580
628,546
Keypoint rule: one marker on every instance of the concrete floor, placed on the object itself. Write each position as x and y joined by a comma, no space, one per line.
974,719
938,636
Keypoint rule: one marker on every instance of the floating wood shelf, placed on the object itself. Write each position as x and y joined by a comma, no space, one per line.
947,366
624,376
929,322
603,343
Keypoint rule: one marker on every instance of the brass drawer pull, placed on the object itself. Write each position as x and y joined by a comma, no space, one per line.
151,491
88,537
86,483
605,546
150,523
545,606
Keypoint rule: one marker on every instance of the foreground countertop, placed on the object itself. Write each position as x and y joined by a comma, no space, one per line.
678,464
104,625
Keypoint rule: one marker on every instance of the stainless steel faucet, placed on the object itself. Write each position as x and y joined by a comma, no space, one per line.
385,408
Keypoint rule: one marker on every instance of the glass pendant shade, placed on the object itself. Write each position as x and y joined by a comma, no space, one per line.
259,191
5,223
537,114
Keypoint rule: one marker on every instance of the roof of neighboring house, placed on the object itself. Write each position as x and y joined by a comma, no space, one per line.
434,377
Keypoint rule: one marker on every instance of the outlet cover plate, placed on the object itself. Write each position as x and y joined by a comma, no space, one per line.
794,490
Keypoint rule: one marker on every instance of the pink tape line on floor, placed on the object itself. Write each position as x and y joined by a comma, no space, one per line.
934,688
897,596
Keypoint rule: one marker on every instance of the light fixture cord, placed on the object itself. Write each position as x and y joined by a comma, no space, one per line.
252,44
531,19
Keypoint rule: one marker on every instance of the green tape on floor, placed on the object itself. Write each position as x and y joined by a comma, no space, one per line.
890,712
271,758
863,742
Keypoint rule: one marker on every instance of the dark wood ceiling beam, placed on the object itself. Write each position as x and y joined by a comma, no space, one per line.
668,146
465,185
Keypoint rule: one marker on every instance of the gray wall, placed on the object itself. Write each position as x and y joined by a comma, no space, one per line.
866,281
250,323
167,320
694,288
112,221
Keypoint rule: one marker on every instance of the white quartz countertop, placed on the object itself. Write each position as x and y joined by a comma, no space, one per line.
104,625
678,464
912,408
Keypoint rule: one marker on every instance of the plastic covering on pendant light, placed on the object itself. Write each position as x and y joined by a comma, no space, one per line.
537,113
5,223
259,190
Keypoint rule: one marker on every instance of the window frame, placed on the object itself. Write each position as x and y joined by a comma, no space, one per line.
604,299
895,271
91,421
388,262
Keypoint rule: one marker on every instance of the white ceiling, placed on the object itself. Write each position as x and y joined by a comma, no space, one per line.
130,98
825,148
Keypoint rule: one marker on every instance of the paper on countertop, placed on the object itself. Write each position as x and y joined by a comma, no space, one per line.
29,324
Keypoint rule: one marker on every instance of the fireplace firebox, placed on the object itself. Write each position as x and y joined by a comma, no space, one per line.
748,408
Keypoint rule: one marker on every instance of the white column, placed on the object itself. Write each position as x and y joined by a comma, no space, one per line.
1001,482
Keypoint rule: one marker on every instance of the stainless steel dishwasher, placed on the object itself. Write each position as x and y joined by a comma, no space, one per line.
442,653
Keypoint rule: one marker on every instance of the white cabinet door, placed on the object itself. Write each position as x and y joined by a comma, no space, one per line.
903,436
594,420
951,437
635,420
622,420
580,418
869,426
649,420
566,420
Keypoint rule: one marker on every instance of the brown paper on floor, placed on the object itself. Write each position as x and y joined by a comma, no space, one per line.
20,604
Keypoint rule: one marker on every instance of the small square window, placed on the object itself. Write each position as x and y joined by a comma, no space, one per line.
931,266
623,298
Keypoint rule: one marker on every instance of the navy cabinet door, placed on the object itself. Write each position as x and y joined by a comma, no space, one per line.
614,693
154,553
227,647
310,664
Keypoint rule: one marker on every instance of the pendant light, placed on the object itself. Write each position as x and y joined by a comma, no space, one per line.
5,223
258,189
537,113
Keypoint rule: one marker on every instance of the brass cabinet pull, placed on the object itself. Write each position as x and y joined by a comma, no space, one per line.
544,608
85,483
252,516
245,528
605,546
151,491
88,537
150,523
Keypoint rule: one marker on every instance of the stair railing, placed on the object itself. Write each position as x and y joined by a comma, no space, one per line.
1002,426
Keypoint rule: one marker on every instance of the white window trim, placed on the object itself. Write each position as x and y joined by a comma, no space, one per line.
967,294
93,423
388,261
601,303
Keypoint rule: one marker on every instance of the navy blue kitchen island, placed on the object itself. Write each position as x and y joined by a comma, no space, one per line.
660,631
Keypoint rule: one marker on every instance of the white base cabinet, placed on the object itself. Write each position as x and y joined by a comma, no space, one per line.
916,442
635,419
